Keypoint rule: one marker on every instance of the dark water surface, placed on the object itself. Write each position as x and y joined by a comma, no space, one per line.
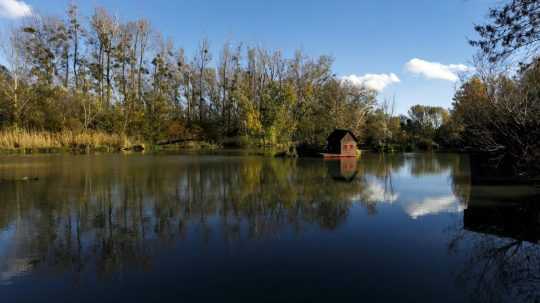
186,228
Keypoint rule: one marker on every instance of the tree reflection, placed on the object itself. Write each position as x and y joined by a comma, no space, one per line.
114,214
501,235
107,214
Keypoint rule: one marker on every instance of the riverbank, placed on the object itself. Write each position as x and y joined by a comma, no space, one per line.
28,142
25,142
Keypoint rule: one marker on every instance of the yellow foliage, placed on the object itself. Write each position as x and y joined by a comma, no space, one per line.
252,116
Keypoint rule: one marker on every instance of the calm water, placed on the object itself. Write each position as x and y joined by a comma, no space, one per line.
186,228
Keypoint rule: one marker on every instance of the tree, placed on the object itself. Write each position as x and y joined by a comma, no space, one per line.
471,108
74,32
201,60
13,78
105,29
503,116
424,122
514,27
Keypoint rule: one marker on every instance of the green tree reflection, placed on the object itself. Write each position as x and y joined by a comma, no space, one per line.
110,213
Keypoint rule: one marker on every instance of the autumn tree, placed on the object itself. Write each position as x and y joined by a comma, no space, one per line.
105,74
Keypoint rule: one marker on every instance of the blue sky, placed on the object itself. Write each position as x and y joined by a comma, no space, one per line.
378,38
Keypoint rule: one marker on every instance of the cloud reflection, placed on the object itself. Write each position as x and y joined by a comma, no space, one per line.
434,205
375,192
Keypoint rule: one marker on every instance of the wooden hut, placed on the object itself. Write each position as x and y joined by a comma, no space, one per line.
341,143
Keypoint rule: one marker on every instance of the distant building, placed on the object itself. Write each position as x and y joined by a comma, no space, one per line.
341,143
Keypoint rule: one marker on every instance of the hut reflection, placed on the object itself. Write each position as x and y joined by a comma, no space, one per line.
344,169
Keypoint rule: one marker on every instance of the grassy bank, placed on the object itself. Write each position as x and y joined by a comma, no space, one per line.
20,141
189,145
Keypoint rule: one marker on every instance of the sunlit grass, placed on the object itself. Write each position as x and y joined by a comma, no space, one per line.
21,139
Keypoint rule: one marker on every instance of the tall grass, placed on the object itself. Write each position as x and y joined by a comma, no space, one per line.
22,140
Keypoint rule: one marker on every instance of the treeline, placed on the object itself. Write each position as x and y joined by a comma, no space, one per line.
125,78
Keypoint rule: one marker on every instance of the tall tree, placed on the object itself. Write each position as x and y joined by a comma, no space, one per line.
74,31
202,58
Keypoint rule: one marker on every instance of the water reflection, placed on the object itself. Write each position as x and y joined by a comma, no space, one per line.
344,169
501,233
434,205
113,213
104,215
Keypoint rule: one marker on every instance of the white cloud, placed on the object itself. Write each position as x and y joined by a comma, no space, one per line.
14,9
372,81
435,70
434,205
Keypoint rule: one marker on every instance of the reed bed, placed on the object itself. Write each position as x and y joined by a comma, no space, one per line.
24,140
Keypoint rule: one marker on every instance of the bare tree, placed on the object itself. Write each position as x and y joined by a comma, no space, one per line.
12,48
202,58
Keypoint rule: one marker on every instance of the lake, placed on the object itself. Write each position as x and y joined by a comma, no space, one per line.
242,228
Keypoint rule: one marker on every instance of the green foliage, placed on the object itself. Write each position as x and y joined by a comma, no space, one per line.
277,118
503,115
110,76
427,127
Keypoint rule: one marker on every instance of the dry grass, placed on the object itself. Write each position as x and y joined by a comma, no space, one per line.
20,139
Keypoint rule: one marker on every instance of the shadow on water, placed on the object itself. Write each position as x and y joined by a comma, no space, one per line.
101,216
501,233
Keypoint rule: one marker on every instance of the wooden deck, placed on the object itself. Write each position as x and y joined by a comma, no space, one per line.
336,156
